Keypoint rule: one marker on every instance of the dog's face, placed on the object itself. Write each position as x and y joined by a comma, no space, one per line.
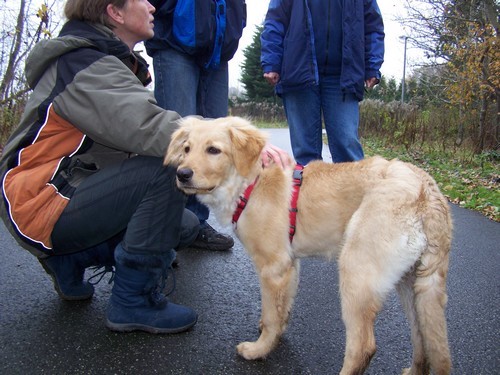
207,152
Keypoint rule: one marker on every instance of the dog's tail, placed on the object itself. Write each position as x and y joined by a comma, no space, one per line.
429,287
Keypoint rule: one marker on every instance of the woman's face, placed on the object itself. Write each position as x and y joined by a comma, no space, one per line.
134,22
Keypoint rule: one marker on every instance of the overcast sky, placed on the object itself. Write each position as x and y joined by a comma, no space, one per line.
394,47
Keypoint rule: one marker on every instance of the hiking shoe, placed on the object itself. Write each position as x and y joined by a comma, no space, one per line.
209,239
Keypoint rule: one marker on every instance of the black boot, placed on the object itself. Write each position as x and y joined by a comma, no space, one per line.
137,301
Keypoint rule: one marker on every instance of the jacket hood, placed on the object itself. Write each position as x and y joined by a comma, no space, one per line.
73,35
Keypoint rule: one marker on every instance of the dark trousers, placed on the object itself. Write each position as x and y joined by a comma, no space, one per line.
136,199
181,85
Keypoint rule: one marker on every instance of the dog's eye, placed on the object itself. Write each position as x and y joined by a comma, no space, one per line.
213,150
187,149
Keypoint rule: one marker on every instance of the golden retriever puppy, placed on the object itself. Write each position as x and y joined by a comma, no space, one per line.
385,222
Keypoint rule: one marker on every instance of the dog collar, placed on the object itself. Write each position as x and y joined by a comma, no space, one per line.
297,182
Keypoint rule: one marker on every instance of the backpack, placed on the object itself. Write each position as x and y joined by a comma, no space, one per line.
209,29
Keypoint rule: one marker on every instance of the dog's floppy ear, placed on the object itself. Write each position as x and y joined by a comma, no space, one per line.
175,148
247,142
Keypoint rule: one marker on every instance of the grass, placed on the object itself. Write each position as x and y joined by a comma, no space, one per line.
470,181
269,125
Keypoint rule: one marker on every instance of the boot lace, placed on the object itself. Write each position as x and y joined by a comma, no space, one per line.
169,270
158,294
99,272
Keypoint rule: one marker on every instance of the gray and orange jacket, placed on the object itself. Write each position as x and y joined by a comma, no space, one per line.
89,108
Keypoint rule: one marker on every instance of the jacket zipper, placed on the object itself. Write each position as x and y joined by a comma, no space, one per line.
327,35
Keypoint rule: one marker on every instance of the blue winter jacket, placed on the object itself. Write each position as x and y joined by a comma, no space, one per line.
198,28
288,44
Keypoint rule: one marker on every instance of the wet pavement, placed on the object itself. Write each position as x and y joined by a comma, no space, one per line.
41,334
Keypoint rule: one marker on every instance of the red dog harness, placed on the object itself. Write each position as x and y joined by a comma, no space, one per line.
297,182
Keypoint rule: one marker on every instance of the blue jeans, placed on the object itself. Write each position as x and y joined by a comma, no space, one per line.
135,199
305,110
183,86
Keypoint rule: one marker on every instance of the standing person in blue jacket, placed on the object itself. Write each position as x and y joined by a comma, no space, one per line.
320,55
193,42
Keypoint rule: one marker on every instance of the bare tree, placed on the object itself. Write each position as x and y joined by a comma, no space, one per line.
32,22
8,76
463,36
22,24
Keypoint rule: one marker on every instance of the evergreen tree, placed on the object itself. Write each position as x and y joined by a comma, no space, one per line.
386,91
257,88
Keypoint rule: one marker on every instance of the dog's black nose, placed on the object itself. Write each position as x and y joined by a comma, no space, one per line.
184,174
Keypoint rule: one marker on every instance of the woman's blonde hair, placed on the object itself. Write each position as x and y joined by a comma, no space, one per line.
93,11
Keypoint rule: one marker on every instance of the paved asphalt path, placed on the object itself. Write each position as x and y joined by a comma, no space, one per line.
41,334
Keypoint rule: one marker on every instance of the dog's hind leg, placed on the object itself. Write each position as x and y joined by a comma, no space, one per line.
420,366
430,301
429,286
360,305
278,290
370,264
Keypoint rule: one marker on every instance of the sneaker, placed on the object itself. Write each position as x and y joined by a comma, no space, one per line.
209,239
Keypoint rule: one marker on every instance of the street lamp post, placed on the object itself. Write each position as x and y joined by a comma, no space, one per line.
404,70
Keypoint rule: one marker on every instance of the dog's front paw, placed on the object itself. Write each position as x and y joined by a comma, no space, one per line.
412,371
251,350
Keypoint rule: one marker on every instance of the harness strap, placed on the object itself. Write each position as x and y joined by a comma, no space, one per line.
297,182
242,202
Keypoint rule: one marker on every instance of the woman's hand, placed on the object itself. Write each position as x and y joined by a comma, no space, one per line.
271,154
